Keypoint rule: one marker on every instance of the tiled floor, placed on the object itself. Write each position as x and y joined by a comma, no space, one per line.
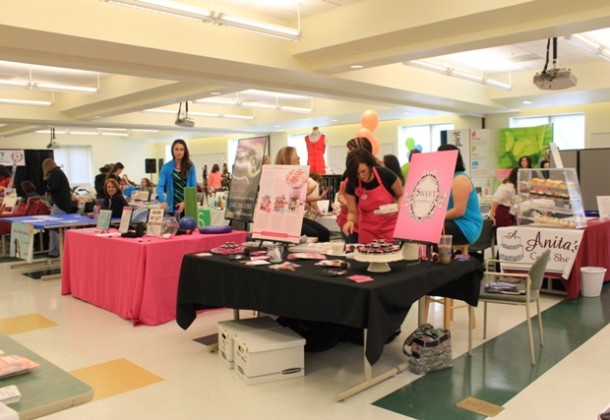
162,373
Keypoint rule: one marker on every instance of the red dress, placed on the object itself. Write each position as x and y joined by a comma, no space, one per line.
315,154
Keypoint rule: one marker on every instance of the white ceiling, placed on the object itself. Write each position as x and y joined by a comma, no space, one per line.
142,60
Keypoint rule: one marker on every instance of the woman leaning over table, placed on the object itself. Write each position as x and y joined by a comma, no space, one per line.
175,176
370,187
114,199
58,187
352,144
463,219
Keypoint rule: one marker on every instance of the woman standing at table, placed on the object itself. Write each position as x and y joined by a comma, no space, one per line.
115,172
352,144
369,188
214,178
175,176
463,219
288,156
503,201
114,199
58,187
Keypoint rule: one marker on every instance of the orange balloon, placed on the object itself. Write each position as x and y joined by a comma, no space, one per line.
366,133
369,119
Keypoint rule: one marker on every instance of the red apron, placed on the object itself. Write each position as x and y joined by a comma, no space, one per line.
374,226
503,217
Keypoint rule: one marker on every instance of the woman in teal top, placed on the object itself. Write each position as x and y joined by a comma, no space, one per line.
463,219
176,175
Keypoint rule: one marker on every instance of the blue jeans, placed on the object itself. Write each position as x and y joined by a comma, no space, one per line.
53,235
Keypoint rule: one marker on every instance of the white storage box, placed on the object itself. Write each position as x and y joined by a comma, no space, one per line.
228,329
269,355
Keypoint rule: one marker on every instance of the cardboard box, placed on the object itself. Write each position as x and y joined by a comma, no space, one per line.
269,355
228,329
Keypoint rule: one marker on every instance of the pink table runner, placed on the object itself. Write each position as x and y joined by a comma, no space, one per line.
136,279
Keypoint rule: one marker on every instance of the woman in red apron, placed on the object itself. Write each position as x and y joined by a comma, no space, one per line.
376,186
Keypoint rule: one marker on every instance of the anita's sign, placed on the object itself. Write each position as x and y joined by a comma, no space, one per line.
525,244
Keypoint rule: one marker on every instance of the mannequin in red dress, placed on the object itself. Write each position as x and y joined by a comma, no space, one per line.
316,146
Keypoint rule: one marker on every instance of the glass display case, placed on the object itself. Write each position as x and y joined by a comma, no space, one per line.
550,197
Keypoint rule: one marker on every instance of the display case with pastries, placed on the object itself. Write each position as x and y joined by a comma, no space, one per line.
551,198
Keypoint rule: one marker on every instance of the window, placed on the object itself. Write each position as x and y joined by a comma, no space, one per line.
75,161
568,129
427,136
231,152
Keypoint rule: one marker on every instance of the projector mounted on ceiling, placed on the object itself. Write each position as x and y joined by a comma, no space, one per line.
554,79
182,119
52,143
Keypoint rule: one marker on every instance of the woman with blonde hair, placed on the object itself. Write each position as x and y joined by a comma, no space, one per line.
58,188
288,156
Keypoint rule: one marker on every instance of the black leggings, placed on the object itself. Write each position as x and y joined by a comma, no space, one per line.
314,229
451,228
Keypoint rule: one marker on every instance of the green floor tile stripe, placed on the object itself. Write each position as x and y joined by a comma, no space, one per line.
501,368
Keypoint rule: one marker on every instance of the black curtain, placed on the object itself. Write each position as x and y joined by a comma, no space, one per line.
32,171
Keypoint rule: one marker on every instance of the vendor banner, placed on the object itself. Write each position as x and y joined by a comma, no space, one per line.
245,179
12,157
22,241
524,244
421,215
278,215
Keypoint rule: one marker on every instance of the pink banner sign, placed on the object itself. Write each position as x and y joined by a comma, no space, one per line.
421,215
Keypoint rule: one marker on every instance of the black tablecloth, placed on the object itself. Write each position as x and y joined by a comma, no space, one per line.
380,305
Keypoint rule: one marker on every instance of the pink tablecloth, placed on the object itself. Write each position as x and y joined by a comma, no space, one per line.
136,279
594,251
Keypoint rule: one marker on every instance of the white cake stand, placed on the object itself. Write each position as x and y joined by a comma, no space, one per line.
378,263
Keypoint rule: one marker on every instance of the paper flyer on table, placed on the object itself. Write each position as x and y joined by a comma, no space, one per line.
279,210
421,215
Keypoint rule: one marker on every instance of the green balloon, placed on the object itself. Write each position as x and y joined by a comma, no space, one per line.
410,143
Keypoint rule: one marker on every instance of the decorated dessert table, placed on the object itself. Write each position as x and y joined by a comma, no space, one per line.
571,249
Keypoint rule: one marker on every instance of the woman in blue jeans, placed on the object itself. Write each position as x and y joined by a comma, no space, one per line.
58,188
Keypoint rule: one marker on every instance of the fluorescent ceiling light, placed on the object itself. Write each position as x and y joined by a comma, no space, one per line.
296,109
47,86
270,94
237,116
63,88
599,49
84,133
175,8
448,71
169,8
259,27
24,102
115,134
234,100
204,114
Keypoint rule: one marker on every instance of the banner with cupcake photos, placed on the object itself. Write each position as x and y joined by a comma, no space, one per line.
245,178
280,206
421,215
524,244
